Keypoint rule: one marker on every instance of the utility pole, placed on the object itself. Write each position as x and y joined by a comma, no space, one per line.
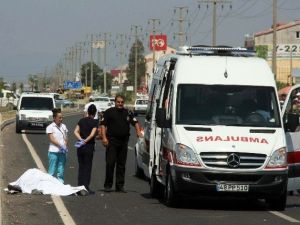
181,20
214,16
79,48
153,21
135,27
106,34
92,66
274,56
121,43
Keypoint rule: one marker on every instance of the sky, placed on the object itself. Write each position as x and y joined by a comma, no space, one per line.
35,35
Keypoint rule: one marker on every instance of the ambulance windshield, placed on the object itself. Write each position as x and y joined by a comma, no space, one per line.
229,105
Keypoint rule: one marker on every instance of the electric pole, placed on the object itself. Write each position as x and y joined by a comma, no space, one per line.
92,66
106,40
181,20
153,21
135,27
274,56
120,40
214,16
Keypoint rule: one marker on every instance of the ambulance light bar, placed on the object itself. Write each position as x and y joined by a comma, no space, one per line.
220,51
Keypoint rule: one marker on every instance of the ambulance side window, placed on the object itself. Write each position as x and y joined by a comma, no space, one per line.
168,103
150,105
292,112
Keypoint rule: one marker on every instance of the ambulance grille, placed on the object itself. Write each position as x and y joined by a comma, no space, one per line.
233,160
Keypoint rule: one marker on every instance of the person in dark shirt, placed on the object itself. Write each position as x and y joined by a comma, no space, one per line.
115,129
85,132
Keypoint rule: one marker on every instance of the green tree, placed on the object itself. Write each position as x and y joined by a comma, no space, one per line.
141,64
31,82
14,86
262,51
98,76
21,86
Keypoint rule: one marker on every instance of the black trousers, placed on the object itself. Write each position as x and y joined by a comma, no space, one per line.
85,160
116,155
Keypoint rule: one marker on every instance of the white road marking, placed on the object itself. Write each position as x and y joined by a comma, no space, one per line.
285,217
59,204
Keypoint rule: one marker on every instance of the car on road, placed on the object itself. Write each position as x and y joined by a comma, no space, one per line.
102,102
112,100
34,111
62,102
140,106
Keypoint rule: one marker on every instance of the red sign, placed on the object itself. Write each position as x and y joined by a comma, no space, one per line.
158,42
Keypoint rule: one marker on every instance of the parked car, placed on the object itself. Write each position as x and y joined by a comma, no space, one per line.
140,106
34,111
102,102
112,101
62,103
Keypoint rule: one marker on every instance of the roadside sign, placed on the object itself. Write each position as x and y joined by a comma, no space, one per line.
158,42
72,84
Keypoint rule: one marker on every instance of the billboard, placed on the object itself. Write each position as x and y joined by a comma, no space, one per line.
158,42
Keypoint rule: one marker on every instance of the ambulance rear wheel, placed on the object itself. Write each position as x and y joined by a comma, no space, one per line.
138,171
155,187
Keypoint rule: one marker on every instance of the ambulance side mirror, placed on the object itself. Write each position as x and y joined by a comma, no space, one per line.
161,120
292,122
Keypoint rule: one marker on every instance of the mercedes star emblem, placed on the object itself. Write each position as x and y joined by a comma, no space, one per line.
233,160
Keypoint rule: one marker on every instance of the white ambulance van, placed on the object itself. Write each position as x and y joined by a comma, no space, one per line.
214,126
34,111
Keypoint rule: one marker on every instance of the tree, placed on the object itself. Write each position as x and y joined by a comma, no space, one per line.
98,76
14,86
21,86
141,64
262,51
31,81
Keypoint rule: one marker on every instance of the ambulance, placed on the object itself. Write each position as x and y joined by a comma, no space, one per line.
214,126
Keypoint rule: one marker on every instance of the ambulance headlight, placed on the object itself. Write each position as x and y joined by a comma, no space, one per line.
278,159
185,155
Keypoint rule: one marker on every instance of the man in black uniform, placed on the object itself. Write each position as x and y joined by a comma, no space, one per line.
115,127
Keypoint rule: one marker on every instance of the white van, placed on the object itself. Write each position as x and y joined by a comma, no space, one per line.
34,111
213,126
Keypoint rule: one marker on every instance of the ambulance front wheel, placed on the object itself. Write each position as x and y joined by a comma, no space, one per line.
171,197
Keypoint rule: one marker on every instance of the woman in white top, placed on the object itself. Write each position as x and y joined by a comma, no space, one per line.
57,133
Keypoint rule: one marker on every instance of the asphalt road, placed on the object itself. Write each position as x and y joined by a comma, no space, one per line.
135,207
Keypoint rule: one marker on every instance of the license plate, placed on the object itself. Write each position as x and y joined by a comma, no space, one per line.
37,125
233,187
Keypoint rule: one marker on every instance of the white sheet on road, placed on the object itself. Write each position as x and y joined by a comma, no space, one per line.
35,179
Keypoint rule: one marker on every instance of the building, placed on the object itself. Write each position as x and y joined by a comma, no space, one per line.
119,73
288,50
149,63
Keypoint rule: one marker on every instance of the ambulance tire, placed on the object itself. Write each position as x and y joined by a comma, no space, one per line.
171,197
137,170
156,189
278,203
18,128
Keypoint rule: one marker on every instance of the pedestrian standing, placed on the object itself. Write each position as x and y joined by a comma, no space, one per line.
58,137
87,105
85,132
115,130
